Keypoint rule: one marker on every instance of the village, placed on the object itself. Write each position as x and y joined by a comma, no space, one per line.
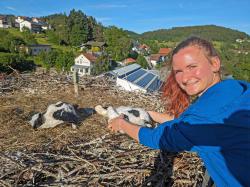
130,76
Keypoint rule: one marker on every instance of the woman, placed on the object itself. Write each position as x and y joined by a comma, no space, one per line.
216,125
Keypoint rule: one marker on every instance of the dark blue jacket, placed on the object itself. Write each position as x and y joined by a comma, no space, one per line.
217,127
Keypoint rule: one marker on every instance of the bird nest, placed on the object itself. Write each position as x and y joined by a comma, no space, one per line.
87,156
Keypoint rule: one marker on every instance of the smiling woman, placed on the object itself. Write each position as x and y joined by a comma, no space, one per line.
194,71
216,125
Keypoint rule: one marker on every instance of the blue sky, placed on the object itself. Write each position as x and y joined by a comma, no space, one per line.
142,15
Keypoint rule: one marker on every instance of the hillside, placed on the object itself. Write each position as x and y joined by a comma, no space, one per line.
210,32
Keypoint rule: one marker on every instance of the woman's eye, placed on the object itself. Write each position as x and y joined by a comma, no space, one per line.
192,67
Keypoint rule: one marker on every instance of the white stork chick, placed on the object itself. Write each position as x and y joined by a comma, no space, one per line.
59,113
137,116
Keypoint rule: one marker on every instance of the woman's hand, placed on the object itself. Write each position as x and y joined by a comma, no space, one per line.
115,124
119,124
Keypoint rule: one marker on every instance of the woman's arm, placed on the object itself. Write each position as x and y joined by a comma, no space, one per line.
160,117
120,124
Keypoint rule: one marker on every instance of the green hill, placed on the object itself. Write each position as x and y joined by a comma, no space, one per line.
210,32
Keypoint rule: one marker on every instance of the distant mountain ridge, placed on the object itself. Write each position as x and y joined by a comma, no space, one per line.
175,34
210,32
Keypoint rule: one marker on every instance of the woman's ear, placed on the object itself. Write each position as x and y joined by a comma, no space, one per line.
215,61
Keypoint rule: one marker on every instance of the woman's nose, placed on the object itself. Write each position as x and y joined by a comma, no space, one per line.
185,76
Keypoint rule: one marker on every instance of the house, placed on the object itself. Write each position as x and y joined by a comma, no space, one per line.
164,52
84,64
135,78
161,56
4,23
18,20
32,26
93,46
128,61
155,59
144,49
44,25
37,48
141,49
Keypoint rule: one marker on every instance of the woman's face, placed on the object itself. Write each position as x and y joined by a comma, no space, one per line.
194,72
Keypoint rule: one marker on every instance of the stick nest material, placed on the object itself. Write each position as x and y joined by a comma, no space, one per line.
89,155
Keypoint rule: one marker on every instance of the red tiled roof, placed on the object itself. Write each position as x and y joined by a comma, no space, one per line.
89,56
143,46
164,51
129,60
155,57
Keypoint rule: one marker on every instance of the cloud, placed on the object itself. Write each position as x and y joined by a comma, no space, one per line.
11,8
103,19
109,6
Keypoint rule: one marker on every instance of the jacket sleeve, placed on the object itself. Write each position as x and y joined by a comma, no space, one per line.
188,134
167,136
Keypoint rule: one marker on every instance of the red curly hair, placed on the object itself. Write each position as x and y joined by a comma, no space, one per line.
176,100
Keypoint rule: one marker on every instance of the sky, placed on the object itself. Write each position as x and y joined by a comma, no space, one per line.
142,15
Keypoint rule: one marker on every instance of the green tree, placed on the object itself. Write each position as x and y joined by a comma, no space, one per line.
64,61
14,60
78,27
102,64
119,44
47,60
133,54
142,61
28,37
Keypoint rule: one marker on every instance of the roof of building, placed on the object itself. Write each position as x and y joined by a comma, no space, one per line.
134,74
165,51
3,17
155,57
129,60
144,79
143,46
89,56
125,70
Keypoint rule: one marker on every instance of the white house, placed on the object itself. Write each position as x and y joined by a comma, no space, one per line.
32,26
84,64
37,48
18,20
3,23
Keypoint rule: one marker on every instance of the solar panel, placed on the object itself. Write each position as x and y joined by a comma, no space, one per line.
137,74
126,70
155,85
145,80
